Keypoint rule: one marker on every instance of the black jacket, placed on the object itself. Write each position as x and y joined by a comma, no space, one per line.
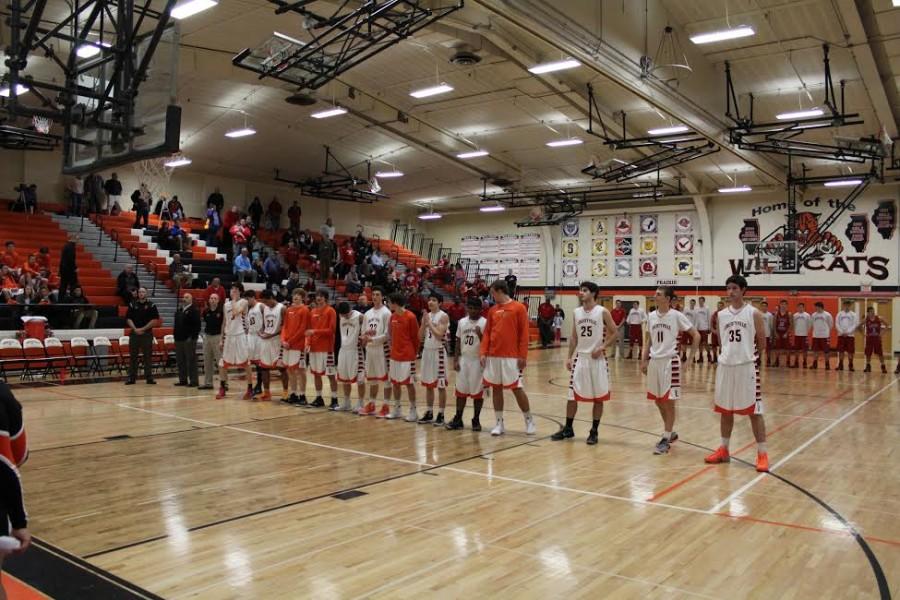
113,187
14,452
187,323
67,259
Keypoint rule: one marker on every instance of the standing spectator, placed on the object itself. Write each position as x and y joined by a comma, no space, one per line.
68,271
213,222
142,315
93,190
80,314
176,210
243,268
187,330
456,312
212,339
127,285
327,230
618,317
230,219
255,210
294,214
546,313
215,287
348,258
240,234
511,282
13,453
141,199
216,199
179,273
113,189
76,192
30,199
274,214
326,256
272,268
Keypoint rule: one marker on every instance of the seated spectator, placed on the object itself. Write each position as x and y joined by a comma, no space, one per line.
31,265
164,237
272,268
179,236
8,296
43,257
47,278
354,286
127,285
348,258
310,286
377,259
293,282
305,242
8,279
176,210
258,269
240,234
45,296
291,256
179,273
11,258
215,287
243,268
80,314
33,281
27,296
459,275
362,304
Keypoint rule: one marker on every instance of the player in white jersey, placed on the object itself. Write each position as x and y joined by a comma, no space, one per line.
467,364
269,341
433,336
769,329
254,327
635,319
687,342
587,360
351,364
737,378
235,351
702,322
377,326
847,322
660,361
822,324
801,321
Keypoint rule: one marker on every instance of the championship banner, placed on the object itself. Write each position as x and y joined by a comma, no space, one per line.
570,228
600,268
570,269
623,225
623,267
684,224
599,248
647,267
649,223
599,227
684,266
623,246
570,248
858,232
885,218
684,244
648,245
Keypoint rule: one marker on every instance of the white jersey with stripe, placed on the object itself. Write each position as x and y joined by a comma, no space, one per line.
737,333
430,340
254,319
801,324
378,323
235,325
701,318
664,330
467,333
351,328
272,318
588,328
822,322
768,323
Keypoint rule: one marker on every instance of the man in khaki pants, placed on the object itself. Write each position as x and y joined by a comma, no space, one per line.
212,340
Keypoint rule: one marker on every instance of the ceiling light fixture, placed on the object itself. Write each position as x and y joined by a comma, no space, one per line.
668,130
178,162
288,38
473,154
736,189
568,142
434,90
432,216
722,35
20,89
843,182
495,208
559,65
90,50
800,114
388,174
242,132
189,8
329,112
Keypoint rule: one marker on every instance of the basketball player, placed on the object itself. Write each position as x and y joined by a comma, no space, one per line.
714,329
737,378
293,341
801,320
769,329
377,327
269,340
590,374
660,361
254,327
687,342
466,363
235,352
13,452
702,318
504,353
351,364
635,318
321,333
433,336
847,322
873,328
822,323
782,328
404,332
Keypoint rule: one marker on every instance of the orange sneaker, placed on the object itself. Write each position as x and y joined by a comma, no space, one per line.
221,393
719,456
762,462
265,396
368,410
248,395
384,412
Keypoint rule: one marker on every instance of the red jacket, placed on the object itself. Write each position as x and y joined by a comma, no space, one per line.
546,311
618,315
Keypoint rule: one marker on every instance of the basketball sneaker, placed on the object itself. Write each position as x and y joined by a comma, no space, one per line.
396,413
868,368
221,393
317,403
263,397
301,401
719,456
762,462
455,423
413,416
288,398
368,410
346,406
662,447
592,438
476,425
426,418
840,367
850,367
439,420
334,405
883,369
498,429
563,434
530,429
359,406
248,395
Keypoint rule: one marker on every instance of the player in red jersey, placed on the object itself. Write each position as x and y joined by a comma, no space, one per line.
874,325
782,333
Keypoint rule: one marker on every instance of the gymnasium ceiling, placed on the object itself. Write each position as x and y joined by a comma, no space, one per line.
499,106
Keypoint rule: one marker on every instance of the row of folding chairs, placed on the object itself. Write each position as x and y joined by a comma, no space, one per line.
48,358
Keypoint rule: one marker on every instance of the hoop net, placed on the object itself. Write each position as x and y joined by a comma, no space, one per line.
41,124
155,174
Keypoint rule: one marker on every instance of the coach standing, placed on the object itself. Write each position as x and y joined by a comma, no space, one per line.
546,312
187,330
212,339
142,315
13,452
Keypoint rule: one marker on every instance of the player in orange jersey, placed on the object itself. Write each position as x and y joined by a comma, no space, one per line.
504,353
293,340
404,342
321,332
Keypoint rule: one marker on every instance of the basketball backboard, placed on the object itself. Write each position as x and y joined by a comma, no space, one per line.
772,256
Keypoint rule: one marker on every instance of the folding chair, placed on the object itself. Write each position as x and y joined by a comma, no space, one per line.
58,359
35,358
11,358
160,354
103,355
82,359
124,353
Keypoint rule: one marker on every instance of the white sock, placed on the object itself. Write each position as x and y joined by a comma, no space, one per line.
527,415
725,442
667,435
761,447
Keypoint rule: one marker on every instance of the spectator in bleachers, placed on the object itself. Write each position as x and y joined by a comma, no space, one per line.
327,229
27,296
186,333
362,304
113,189
258,268
255,210
161,209
216,199
326,255
80,314
141,200
273,269
31,265
243,268
213,223
164,237
213,316
45,296
294,214
240,234
377,259
455,311
310,286
8,278
229,220
215,287
43,257
293,282
11,258
68,269
347,259
179,273
76,193
127,285
274,214
354,285
291,256
176,210
93,192
142,315
180,239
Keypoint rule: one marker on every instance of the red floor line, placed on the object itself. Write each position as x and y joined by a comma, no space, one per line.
781,427
805,528
16,589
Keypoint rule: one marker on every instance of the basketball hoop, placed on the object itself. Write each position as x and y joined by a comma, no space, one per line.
41,124
865,286
155,174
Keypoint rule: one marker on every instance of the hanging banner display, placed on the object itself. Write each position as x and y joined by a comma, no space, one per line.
570,248
498,254
623,225
649,223
599,248
648,245
599,227
647,267
600,268
623,267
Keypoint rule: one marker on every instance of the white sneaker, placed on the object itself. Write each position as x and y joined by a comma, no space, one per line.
395,413
348,406
530,429
499,429
359,406
412,417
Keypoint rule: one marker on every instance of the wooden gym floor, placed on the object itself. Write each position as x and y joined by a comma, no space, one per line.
233,499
